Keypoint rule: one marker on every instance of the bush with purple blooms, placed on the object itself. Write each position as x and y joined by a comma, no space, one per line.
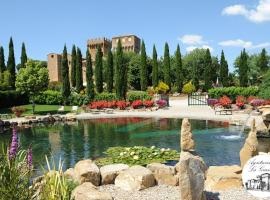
15,171
161,103
257,102
212,102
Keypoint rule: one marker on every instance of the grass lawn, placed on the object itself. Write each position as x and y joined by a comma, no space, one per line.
39,109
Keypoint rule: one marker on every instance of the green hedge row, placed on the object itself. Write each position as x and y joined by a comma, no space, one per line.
11,98
49,97
233,92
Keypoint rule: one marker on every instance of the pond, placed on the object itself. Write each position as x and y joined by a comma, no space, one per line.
217,142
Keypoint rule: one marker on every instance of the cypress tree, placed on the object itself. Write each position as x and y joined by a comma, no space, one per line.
243,69
179,71
263,61
79,76
224,71
98,71
109,71
155,68
73,66
65,75
23,56
215,69
2,63
89,76
143,69
167,65
207,70
11,64
121,73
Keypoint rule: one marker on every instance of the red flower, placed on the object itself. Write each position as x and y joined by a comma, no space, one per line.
137,104
148,103
225,101
240,101
121,105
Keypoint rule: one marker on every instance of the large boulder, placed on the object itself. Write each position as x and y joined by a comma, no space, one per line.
87,191
87,171
135,178
70,174
187,142
164,174
191,177
110,172
223,178
250,148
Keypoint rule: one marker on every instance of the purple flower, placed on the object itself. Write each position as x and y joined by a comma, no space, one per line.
14,145
30,157
161,102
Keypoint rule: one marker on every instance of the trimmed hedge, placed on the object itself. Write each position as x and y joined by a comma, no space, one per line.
11,98
49,97
138,95
105,96
233,92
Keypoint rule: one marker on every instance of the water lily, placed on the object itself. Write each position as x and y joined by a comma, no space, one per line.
168,149
135,157
152,147
128,148
162,150
132,153
121,154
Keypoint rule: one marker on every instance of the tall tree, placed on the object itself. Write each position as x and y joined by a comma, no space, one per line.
224,71
243,69
263,61
207,70
23,56
79,76
73,66
167,65
109,71
89,76
143,70
65,75
215,69
99,70
11,63
2,63
179,71
121,73
155,68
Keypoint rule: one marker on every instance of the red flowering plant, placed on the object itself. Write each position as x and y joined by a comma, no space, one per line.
240,102
257,102
225,101
99,105
137,104
148,103
251,98
112,104
121,105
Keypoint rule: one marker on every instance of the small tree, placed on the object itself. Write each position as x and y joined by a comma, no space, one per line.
73,66
155,79
11,63
143,69
243,69
79,76
65,75
32,79
179,71
207,71
2,63
109,71
224,71
23,56
89,76
167,65
99,70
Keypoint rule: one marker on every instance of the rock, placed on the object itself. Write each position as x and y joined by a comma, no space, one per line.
87,191
87,171
223,178
164,175
135,178
187,142
250,147
109,172
191,177
70,173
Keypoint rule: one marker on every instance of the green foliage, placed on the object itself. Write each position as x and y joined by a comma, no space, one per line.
138,95
109,71
143,69
162,88
134,72
224,70
265,86
6,79
2,61
105,96
78,99
79,76
155,78
73,66
242,68
189,88
263,61
12,98
89,76
11,63
32,79
233,92
207,71
137,155
49,97
167,65
214,69
23,56
179,71
98,71
55,86
65,75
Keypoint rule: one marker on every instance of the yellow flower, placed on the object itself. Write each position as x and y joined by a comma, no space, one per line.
132,153
135,157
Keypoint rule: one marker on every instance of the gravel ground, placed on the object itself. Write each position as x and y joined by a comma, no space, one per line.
163,192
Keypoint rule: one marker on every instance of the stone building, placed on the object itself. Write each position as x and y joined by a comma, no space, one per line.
93,44
130,43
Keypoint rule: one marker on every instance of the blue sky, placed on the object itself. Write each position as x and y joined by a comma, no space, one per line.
45,26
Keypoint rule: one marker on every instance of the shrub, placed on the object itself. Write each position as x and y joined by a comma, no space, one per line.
138,95
240,101
189,88
212,102
251,98
148,103
12,98
257,102
112,104
55,86
162,88
105,97
122,105
161,103
264,87
49,97
225,101
18,110
78,99
99,105
233,92
137,104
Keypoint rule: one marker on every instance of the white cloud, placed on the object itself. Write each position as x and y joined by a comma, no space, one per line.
259,14
191,48
243,44
192,39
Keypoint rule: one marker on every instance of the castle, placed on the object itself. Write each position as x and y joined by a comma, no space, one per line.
130,43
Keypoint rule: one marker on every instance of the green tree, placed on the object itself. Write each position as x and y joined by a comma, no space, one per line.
207,70
143,70
224,70
264,87
109,71
65,75
263,62
32,79
134,66
179,71
243,69
73,66
2,63
215,69
99,70
79,76
89,76
23,56
121,73
167,65
155,78
11,63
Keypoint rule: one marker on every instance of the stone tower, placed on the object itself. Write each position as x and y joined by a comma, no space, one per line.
93,44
